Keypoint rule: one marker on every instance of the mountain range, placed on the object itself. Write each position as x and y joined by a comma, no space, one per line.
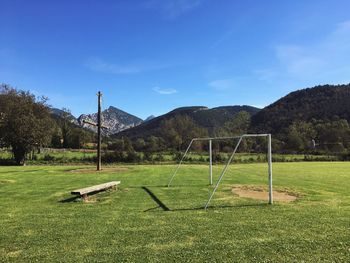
122,123
114,119
324,102
320,102
204,117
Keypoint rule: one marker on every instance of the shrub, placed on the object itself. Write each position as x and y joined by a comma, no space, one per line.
48,157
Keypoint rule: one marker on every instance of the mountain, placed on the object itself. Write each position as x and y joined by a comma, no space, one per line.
61,113
150,118
113,118
320,103
201,115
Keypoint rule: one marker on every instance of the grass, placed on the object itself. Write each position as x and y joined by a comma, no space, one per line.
40,223
76,156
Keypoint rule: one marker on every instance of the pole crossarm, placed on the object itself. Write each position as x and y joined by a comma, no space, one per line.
90,122
94,124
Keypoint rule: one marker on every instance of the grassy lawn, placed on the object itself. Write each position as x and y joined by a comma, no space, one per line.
39,222
75,157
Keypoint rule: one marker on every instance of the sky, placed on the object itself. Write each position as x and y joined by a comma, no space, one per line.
151,56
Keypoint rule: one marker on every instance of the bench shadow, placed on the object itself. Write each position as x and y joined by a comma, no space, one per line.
155,199
78,197
70,199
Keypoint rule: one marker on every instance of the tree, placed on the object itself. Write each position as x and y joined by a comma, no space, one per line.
77,138
26,122
66,129
179,131
153,144
239,124
56,137
139,144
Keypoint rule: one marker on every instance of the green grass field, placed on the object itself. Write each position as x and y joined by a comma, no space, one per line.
39,221
81,157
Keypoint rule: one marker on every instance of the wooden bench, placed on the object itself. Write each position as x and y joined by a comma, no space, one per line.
83,192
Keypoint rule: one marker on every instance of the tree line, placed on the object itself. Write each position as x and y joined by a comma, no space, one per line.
26,125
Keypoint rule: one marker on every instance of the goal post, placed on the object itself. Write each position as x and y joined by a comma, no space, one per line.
240,138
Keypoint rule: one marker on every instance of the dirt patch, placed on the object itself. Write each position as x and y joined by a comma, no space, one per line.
7,181
104,170
261,193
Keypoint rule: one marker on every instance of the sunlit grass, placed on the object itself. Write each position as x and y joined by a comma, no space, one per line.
39,223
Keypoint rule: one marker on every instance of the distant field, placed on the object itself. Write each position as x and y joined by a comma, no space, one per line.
60,156
39,222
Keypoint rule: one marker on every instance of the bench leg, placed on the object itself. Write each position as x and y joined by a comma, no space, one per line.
85,197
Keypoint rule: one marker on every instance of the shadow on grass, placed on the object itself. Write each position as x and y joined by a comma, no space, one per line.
155,199
165,208
78,197
221,207
172,186
198,208
70,199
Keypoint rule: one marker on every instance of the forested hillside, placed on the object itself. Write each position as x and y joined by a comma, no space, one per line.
319,103
309,119
67,133
209,120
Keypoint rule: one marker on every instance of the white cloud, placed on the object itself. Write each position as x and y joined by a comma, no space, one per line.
171,9
300,60
164,91
266,74
99,65
325,60
227,35
222,84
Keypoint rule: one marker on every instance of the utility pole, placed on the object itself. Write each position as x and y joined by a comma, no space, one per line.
99,126
99,95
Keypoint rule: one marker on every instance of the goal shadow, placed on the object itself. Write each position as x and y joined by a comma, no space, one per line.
166,208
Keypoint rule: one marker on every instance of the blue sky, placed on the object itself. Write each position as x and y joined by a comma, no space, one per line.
151,56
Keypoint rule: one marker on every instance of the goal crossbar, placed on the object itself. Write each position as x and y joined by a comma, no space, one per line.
240,138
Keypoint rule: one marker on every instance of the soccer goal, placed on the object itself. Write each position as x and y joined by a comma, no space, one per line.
230,159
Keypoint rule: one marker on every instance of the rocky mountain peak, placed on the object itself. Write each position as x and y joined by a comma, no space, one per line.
113,118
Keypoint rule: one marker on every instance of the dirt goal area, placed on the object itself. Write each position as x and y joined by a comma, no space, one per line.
261,193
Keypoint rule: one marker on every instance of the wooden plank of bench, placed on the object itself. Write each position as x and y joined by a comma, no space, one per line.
96,188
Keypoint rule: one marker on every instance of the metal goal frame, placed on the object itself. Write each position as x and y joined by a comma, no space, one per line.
240,138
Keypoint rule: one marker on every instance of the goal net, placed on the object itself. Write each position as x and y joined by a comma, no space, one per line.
236,142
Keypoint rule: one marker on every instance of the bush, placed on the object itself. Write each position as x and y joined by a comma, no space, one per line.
159,157
133,157
147,156
49,158
177,156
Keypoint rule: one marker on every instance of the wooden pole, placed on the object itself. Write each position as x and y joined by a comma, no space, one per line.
99,95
